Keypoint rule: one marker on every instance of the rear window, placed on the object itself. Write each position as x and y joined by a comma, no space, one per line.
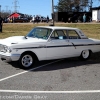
72,34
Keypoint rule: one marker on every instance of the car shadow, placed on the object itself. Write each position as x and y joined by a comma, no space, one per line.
62,63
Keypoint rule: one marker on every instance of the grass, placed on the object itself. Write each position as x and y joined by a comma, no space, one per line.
91,30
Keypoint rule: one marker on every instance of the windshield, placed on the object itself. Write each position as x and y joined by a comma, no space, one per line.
42,33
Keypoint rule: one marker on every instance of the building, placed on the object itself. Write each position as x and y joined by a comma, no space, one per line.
73,16
96,14
16,15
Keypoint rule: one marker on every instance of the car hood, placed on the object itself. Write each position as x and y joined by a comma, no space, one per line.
19,40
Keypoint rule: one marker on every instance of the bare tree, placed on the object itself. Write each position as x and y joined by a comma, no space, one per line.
5,14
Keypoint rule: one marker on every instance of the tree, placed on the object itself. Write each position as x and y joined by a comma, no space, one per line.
5,14
71,5
63,5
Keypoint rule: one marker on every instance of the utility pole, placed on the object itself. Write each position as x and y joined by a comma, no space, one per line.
91,3
53,12
0,10
15,5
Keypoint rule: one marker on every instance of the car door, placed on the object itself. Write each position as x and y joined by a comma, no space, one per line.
58,45
75,43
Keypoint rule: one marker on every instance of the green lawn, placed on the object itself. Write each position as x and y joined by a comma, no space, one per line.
91,30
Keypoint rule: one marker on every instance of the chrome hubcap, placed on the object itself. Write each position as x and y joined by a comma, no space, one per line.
85,53
27,61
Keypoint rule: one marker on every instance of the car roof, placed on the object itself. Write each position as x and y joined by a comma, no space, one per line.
57,27
81,34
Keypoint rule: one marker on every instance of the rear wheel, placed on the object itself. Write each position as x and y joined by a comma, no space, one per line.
85,54
26,61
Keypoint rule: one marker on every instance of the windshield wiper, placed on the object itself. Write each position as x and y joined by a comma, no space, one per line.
35,37
25,37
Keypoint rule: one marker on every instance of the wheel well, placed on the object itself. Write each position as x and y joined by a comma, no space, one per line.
30,52
90,51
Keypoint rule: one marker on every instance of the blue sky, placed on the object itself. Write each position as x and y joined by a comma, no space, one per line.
32,7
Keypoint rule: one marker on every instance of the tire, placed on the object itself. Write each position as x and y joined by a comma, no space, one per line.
85,55
26,61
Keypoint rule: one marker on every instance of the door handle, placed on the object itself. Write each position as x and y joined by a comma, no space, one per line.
73,45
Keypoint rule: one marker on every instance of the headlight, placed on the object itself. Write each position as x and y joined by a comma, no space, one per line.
5,49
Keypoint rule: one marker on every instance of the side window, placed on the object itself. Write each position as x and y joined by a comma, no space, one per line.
59,34
54,35
73,34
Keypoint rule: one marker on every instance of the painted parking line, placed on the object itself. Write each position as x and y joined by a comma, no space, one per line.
56,92
28,70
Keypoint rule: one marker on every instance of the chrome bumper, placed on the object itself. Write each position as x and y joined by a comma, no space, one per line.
9,57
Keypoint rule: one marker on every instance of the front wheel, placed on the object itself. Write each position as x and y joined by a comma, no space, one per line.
85,54
26,61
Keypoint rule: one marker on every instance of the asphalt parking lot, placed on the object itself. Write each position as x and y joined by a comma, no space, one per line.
64,79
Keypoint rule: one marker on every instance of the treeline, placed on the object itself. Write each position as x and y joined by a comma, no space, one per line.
5,14
74,5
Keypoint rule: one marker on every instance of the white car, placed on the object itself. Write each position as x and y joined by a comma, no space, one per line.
46,43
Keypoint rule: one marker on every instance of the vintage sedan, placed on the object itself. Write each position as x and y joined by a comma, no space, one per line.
46,43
